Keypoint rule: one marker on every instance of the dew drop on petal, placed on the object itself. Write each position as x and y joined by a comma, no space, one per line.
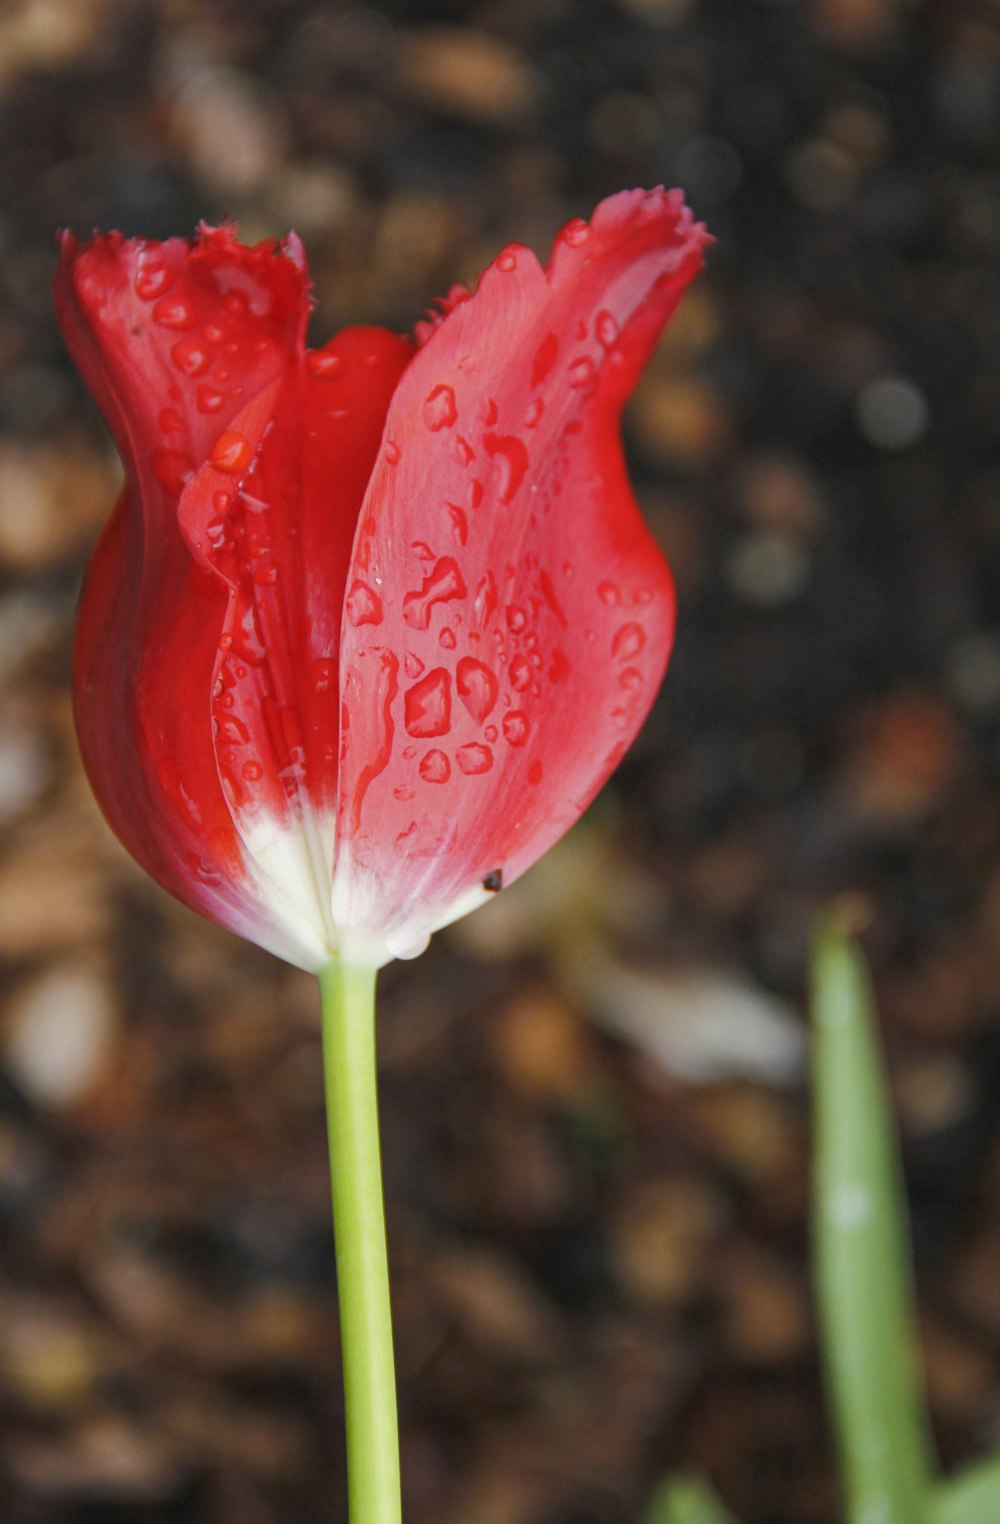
491,733
440,586
209,398
392,452
606,328
152,281
520,674
403,793
440,411
515,727
412,665
363,604
252,771
174,312
321,363
507,261
512,454
516,618
427,705
447,639
463,452
435,767
172,469
221,501
266,575
575,233
533,416
231,452
631,679
473,758
486,599
534,774
191,357
628,641
609,594
459,522
545,357
581,372
321,676
476,686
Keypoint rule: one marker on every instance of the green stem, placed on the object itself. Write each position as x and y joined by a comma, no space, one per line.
348,998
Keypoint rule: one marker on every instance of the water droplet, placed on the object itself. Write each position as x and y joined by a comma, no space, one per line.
248,642
364,606
403,794
575,233
440,411
266,575
507,261
462,450
534,774
231,453
631,679
489,412
609,594
322,676
628,642
491,733
440,586
513,455
520,674
476,686
533,416
435,767
427,705
170,421
321,363
190,357
515,727
459,522
392,452
486,599
606,328
581,372
476,493
642,596
212,333
516,619
412,665
172,469
551,597
447,639
174,312
545,357
252,771
152,281
473,759
209,398
221,501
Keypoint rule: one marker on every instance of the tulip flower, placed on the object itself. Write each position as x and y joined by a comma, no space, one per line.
370,624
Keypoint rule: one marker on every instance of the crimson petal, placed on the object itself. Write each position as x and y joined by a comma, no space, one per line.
526,614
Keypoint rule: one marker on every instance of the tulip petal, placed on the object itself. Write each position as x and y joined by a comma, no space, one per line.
174,340
525,614
273,514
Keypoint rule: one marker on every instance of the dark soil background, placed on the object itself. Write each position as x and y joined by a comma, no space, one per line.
595,1113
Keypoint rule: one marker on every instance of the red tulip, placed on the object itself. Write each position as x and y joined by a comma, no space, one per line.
370,624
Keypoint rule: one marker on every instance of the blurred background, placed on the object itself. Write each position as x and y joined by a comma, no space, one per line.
594,1091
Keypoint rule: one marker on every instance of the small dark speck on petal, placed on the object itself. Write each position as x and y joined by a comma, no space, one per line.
493,882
